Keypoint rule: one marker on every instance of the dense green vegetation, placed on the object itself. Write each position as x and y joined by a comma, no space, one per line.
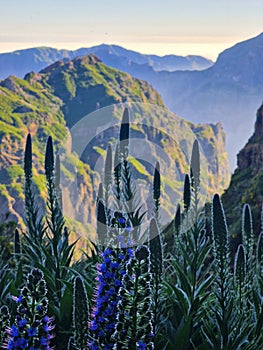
175,287
49,102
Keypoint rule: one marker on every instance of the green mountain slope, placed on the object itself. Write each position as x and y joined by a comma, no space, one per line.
85,84
24,108
49,102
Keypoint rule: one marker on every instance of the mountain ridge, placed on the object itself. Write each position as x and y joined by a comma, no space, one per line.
228,91
37,105
20,62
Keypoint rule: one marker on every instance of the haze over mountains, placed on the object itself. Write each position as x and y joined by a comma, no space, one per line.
20,62
229,91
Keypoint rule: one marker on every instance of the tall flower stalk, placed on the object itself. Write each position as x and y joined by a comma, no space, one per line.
110,273
32,328
156,269
80,316
4,324
134,319
35,225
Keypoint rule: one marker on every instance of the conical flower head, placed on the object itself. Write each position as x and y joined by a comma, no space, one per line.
124,133
177,220
28,157
49,158
195,165
219,227
157,182
187,193
240,264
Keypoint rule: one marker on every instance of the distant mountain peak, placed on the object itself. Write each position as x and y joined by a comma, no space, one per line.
83,60
20,62
241,49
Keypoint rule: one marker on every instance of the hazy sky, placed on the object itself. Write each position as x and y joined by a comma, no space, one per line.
203,27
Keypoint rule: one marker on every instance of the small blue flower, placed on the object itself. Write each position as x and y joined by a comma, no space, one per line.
141,345
14,331
46,319
43,341
103,267
32,332
94,326
130,252
101,319
10,345
39,308
107,260
122,221
108,251
47,328
22,322
109,275
18,299
114,265
117,283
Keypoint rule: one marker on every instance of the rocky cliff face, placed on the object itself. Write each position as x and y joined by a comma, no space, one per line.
246,184
251,156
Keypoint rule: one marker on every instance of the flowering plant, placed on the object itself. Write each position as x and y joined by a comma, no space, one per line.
32,327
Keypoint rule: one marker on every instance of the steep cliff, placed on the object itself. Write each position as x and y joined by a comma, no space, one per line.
246,184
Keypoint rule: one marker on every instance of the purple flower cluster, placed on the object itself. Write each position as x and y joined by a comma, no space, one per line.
110,273
32,327
134,315
141,345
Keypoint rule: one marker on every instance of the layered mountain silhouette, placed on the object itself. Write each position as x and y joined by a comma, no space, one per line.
228,91
20,62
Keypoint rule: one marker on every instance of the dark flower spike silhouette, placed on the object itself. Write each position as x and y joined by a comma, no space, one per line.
4,324
187,193
80,315
49,158
125,133
157,187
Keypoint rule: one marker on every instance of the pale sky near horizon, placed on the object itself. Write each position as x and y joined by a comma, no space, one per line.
203,27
